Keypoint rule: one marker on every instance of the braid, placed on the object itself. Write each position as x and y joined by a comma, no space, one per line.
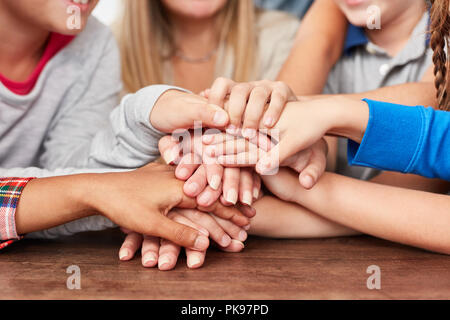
440,25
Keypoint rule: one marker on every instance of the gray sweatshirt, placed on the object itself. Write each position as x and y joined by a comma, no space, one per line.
70,123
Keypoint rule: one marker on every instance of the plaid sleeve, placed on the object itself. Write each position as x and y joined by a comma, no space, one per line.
10,191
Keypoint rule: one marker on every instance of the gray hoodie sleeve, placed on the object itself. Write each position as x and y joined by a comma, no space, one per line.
91,131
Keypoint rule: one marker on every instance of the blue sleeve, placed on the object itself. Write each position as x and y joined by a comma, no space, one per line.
405,139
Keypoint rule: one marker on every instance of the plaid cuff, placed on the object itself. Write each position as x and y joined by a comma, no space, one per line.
10,191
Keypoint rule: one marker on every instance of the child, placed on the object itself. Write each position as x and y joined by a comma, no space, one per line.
58,89
395,138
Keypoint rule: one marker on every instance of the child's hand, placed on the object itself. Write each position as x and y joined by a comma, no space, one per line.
246,103
232,151
110,194
303,124
165,253
206,179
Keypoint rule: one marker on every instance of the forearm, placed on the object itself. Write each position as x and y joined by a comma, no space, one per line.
407,216
412,181
317,48
48,202
276,218
414,93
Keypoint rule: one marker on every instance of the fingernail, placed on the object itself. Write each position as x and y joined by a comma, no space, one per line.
205,198
232,129
246,228
242,235
183,173
123,253
193,261
220,118
249,133
149,259
307,182
192,187
215,182
201,243
168,156
163,261
208,138
210,151
226,240
247,198
268,122
255,193
238,242
232,196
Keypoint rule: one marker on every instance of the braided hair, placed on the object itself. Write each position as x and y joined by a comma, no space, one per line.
440,27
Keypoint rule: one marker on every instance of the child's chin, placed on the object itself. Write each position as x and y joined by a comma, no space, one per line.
68,28
358,20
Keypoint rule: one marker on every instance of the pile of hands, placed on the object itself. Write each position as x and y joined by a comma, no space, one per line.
225,159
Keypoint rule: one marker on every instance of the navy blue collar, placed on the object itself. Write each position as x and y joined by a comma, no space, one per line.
356,36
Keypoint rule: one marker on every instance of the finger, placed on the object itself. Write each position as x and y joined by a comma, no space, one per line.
216,138
168,255
315,168
180,234
231,178
237,104
228,213
130,245
254,111
220,88
256,185
195,259
169,149
247,211
187,166
231,146
150,251
234,247
196,183
269,163
246,187
278,100
209,223
177,216
232,230
208,196
214,172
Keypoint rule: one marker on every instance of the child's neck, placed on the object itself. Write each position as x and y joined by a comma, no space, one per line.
195,38
21,46
394,34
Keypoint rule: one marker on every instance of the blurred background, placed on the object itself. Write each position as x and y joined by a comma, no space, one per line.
107,10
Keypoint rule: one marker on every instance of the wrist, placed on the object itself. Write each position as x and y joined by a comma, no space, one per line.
348,118
158,116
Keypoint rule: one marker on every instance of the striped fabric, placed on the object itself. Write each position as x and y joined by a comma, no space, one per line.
10,191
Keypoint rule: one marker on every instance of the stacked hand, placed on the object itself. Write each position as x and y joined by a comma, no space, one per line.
220,166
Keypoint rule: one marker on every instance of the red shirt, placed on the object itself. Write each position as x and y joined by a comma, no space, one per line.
56,43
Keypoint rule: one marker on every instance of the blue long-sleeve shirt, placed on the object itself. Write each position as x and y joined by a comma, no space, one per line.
405,139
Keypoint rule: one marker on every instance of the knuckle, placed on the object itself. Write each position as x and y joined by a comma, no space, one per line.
181,233
260,93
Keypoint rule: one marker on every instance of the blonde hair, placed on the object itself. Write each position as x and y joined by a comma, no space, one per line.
146,40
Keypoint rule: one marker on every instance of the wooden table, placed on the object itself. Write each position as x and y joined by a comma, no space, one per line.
267,269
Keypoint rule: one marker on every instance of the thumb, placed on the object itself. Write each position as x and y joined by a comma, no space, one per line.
269,163
210,115
182,235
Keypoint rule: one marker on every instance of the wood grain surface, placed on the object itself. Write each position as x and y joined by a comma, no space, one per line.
266,269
